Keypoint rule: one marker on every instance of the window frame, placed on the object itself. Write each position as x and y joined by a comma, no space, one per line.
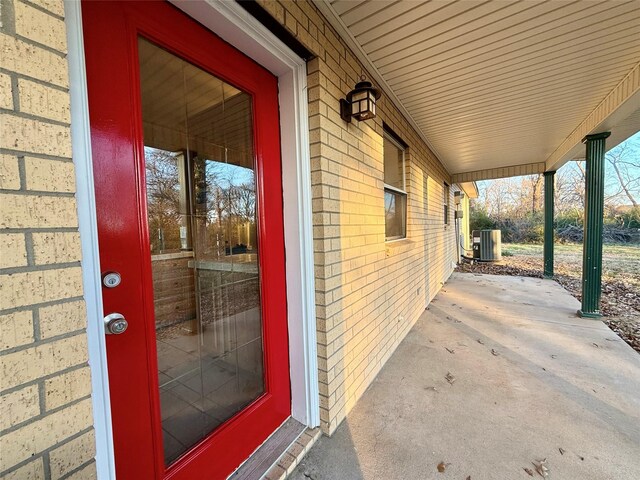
390,136
446,197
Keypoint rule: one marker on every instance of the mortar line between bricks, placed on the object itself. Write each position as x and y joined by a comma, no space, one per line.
15,95
45,413
43,378
42,46
78,469
50,303
41,402
23,153
22,174
40,230
46,450
45,341
28,244
31,116
34,80
35,318
39,268
8,18
42,9
38,193
46,461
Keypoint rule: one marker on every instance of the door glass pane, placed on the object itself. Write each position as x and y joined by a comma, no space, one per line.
201,203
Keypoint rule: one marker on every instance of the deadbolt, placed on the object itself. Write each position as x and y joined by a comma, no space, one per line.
115,324
111,279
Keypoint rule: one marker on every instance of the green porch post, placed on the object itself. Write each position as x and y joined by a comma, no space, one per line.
549,178
593,214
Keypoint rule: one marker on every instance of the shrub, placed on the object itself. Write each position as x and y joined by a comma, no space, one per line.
480,220
630,218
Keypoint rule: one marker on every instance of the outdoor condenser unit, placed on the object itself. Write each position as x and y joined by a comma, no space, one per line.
475,243
490,245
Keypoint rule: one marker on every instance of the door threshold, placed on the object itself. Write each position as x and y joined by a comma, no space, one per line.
279,454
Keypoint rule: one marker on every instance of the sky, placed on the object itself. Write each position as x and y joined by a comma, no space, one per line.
612,185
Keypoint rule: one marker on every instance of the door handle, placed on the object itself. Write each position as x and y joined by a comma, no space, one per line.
115,324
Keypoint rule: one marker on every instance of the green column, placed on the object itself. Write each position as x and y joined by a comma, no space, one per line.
549,178
593,215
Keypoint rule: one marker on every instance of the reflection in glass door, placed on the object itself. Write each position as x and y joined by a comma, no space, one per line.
201,203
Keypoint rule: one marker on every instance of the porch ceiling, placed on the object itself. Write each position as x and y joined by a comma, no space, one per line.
493,84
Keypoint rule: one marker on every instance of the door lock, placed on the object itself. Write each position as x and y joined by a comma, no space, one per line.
115,324
111,279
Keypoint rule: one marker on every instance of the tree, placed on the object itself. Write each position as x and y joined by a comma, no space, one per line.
625,163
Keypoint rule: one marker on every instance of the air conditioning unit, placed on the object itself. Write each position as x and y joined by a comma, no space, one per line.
475,243
490,245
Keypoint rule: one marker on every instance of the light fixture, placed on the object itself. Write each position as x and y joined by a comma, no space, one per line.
360,103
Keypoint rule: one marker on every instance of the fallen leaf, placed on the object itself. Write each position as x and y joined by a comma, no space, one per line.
450,378
449,350
494,353
541,468
595,345
441,467
529,471
480,342
562,450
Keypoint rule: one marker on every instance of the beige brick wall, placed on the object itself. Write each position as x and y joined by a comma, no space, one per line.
368,293
45,421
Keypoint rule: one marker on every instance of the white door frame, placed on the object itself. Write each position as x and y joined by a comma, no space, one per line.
232,23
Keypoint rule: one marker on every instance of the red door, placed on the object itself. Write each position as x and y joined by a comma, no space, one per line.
186,156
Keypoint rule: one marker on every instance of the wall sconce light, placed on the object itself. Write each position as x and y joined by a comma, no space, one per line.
360,103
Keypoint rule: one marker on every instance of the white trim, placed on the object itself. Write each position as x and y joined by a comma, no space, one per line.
87,223
393,189
237,27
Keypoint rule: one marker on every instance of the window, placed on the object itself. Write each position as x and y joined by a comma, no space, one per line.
395,195
446,203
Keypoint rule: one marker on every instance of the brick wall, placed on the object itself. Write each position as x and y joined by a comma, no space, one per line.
46,420
368,293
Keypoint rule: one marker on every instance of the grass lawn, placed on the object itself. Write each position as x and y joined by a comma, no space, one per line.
619,262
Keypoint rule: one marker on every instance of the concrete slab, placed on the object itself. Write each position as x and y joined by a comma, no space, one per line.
529,378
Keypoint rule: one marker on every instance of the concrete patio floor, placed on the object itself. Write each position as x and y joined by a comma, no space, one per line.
529,378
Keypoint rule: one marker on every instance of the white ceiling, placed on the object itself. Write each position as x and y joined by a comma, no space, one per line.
496,83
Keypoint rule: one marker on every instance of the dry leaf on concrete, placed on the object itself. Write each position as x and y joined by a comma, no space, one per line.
561,450
442,467
450,378
480,342
449,350
494,353
528,470
541,468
